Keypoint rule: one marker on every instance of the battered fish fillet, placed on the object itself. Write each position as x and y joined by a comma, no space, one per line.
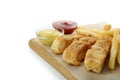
95,57
75,52
62,42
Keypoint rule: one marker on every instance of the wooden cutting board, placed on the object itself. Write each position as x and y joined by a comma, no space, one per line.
69,71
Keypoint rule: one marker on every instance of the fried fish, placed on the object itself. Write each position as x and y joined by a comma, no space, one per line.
75,52
95,57
62,42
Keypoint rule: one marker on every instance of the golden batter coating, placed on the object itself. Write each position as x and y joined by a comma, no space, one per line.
62,42
95,57
75,52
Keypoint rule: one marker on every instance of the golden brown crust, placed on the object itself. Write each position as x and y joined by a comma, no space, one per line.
62,42
75,52
95,57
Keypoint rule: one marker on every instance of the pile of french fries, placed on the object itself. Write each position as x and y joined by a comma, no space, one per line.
106,30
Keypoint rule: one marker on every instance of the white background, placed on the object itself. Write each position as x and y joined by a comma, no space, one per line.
19,19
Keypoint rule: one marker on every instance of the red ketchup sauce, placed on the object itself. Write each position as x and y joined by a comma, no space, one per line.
67,26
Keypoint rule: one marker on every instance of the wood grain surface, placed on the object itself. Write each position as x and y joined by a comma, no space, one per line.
69,71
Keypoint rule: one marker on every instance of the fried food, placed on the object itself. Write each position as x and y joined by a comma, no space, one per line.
118,54
104,32
107,27
62,42
96,32
75,52
118,50
95,57
91,43
115,52
85,31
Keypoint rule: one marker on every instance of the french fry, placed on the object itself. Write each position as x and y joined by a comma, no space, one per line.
107,27
118,55
95,32
118,52
104,32
98,26
113,52
85,31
